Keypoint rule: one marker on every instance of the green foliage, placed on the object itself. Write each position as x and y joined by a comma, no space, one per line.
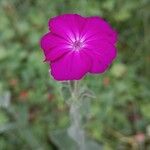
32,105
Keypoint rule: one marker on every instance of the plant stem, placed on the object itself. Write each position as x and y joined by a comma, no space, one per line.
75,130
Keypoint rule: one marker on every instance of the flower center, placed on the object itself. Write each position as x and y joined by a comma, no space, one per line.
77,45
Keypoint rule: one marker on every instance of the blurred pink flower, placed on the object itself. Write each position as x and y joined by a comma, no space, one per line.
77,45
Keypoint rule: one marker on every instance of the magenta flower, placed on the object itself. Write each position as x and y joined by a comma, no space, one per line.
77,45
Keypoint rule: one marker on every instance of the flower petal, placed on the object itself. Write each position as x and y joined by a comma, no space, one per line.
68,25
100,36
103,48
54,46
98,66
73,66
95,25
102,54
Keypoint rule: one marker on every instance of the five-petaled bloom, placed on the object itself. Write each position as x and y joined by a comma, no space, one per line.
77,45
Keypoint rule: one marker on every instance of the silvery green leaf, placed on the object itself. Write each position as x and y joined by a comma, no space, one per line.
64,142
5,99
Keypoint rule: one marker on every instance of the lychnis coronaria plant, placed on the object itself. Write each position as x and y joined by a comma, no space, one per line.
73,47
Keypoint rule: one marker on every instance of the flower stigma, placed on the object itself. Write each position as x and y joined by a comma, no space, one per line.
77,45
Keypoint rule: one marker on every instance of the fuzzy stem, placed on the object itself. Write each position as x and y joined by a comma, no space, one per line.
75,130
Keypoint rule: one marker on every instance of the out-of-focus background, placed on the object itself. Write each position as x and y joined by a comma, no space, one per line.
31,104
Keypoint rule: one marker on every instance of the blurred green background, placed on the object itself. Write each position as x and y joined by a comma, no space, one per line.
31,102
